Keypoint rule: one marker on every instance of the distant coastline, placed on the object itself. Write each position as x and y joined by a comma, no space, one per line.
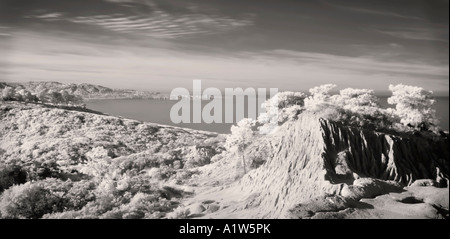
84,90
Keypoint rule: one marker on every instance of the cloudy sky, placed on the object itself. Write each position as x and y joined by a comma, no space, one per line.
163,44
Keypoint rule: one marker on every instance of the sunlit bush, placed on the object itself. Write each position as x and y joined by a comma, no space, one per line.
29,200
414,106
358,107
319,97
280,108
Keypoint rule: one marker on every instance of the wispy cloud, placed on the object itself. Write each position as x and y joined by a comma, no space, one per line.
164,25
53,16
120,1
157,23
362,64
382,13
5,31
373,12
417,34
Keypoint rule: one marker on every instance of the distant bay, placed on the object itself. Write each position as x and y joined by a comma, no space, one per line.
150,110
158,111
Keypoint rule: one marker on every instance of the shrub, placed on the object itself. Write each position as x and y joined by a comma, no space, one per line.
8,93
280,108
414,106
355,99
319,97
28,200
11,175
241,136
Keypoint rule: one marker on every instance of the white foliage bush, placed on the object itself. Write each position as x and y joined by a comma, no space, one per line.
319,98
241,136
349,98
413,105
280,108
359,107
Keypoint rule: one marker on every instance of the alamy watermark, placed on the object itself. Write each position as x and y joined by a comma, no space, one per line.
233,100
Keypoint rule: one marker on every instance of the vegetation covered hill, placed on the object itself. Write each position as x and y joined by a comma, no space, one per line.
79,164
83,90
326,156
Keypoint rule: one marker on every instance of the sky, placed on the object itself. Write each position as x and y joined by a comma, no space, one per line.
163,44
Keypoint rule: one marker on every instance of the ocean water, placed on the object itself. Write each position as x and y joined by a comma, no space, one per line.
155,111
158,111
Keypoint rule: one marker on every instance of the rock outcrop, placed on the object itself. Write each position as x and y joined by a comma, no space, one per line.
317,157
378,155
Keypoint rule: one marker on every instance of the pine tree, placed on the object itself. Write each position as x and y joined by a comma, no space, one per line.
240,137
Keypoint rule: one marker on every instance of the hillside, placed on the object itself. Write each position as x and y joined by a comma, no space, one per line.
58,150
86,91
